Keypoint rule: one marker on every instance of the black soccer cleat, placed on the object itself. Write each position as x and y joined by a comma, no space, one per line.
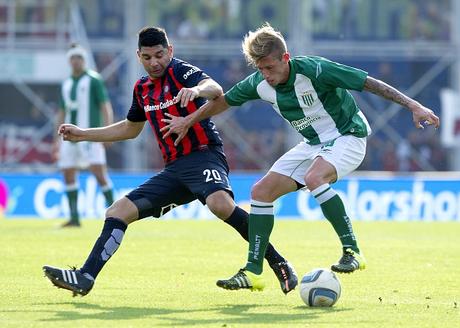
349,262
243,279
286,276
72,280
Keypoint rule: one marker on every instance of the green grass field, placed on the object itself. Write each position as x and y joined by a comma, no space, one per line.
164,275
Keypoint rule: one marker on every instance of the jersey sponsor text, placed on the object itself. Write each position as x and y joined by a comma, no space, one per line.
161,105
304,122
190,72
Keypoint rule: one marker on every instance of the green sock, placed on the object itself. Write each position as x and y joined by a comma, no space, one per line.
334,211
72,196
261,222
108,194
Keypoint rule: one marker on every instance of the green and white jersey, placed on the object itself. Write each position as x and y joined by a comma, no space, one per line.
315,100
81,99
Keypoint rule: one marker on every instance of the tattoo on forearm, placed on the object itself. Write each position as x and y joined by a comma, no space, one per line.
386,91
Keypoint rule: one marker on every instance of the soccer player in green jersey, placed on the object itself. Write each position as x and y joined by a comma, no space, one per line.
84,101
311,93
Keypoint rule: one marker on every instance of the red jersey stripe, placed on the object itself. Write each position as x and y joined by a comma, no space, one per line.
185,142
199,131
136,87
146,98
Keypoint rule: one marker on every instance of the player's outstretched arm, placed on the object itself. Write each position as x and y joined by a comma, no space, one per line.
180,125
420,114
121,130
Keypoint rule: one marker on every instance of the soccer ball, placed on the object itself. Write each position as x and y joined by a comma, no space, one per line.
320,287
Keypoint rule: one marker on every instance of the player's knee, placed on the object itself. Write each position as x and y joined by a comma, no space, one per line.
122,210
221,212
111,210
220,204
262,193
314,180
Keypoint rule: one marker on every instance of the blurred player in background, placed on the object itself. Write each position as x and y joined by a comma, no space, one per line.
195,168
84,102
311,93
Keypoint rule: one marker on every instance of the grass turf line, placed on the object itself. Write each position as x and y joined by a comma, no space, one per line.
164,275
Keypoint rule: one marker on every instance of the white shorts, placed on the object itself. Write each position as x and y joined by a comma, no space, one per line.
345,153
81,154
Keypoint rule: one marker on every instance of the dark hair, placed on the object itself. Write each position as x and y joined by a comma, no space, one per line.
151,36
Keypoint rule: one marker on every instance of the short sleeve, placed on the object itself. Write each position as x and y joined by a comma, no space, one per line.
335,75
61,102
136,112
189,75
243,91
98,89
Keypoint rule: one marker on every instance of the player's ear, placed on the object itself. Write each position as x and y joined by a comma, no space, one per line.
286,57
170,51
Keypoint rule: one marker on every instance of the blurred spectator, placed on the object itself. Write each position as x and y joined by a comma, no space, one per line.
192,29
196,25
349,19
103,18
438,156
389,157
403,153
234,71
111,17
429,21
385,73
385,20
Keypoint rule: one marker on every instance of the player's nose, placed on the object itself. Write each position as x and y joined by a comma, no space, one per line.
153,62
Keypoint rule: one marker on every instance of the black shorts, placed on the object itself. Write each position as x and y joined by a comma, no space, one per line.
194,176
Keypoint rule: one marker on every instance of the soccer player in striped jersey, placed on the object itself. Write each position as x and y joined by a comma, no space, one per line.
311,94
84,102
195,167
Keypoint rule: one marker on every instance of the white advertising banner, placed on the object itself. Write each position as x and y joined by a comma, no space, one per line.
450,118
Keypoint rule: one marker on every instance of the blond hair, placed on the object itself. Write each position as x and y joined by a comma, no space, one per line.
263,42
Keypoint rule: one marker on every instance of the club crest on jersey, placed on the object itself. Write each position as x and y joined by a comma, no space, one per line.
307,98
166,89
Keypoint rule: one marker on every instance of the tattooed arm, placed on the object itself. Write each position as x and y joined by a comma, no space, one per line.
420,114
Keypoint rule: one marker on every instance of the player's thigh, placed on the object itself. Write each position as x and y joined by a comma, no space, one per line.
159,194
345,153
295,163
319,173
272,186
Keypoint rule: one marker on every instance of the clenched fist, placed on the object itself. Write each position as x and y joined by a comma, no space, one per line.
70,132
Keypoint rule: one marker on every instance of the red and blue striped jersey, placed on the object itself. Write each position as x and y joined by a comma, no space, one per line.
153,98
